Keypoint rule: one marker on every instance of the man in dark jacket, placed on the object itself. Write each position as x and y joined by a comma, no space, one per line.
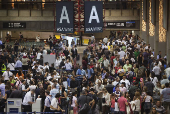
150,86
15,93
110,87
132,90
85,99
74,52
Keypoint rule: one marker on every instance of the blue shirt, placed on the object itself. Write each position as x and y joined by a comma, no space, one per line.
18,64
166,94
68,66
53,92
81,72
103,75
89,73
0,42
2,88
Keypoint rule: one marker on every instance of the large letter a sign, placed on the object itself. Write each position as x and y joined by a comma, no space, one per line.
64,17
93,16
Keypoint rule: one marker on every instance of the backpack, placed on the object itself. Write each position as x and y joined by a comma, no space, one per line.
141,72
21,36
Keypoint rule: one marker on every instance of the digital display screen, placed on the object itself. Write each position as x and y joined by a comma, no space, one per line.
10,102
128,24
14,25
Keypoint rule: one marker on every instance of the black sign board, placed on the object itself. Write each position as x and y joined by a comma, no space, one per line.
127,24
64,17
93,16
14,24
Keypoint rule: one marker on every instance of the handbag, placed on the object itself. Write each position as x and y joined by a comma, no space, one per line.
85,108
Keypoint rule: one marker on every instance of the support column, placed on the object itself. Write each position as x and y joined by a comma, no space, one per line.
167,36
147,22
156,39
140,18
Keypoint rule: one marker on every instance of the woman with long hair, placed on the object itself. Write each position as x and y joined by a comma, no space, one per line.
20,74
49,88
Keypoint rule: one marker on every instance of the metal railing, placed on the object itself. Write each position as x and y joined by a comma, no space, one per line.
26,45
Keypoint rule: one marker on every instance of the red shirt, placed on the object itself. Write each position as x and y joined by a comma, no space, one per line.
122,105
91,66
113,103
111,59
116,69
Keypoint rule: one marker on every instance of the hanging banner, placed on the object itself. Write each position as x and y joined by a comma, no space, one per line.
64,17
93,16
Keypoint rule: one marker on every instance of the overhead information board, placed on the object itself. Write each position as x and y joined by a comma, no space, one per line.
14,24
64,17
93,16
127,24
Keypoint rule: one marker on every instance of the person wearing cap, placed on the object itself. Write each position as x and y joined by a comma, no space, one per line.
7,74
28,101
54,107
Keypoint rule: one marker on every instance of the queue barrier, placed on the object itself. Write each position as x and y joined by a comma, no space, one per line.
59,71
32,113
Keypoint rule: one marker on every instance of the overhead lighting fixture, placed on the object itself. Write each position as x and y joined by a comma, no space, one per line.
151,26
162,31
143,22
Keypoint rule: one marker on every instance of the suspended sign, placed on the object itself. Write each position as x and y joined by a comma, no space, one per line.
14,24
64,17
123,24
93,16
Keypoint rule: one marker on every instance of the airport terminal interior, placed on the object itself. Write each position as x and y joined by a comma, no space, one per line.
84,57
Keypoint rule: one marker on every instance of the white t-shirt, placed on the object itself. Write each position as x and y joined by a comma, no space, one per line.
121,54
6,75
38,39
115,83
45,52
38,55
126,82
57,62
154,80
32,87
11,66
54,103
116,107
167,71
137,104
27,98
73,101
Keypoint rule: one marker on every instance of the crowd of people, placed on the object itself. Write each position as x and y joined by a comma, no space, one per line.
116,76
